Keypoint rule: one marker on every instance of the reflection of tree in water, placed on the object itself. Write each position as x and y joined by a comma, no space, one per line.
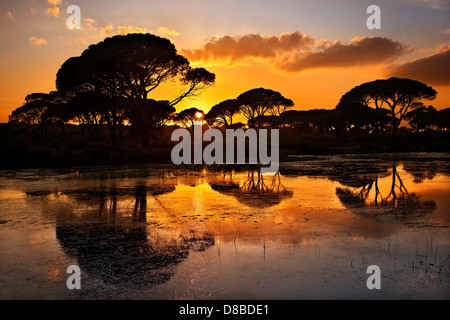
421,170
122,251
365,197
254,192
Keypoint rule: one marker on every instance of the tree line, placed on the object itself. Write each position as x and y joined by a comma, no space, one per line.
111,83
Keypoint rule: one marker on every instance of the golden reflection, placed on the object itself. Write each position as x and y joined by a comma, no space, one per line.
254,191
54,274
138,230
36,239
370,196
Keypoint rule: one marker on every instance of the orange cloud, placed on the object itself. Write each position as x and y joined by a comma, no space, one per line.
233,49
108,31
295,52
130,29
361,51
90,24
164,31
53,11
37,42
54,2
90,21
433,69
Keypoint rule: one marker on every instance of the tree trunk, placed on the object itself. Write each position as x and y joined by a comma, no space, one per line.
395,124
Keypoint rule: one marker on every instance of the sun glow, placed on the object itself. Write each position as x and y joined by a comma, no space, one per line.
199,115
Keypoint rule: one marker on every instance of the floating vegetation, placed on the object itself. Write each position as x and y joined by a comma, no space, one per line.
429,260
115,174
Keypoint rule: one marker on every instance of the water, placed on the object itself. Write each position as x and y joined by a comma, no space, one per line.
165,232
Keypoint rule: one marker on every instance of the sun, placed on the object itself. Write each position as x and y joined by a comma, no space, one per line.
199,114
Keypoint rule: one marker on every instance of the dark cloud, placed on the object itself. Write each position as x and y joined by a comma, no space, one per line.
233,49
432,70
359,52
295,52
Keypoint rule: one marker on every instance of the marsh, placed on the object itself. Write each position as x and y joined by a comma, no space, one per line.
170,232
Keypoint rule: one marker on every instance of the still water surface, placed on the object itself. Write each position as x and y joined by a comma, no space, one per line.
165,232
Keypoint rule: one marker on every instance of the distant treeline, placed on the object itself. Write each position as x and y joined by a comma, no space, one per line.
102,113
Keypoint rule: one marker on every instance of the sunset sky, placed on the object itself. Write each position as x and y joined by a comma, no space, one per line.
311,51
